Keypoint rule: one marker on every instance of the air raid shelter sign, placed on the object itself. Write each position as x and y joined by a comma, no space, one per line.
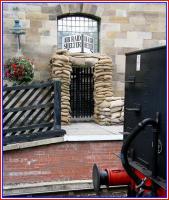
78,43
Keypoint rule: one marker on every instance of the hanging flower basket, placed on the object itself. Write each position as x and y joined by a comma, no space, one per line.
19,69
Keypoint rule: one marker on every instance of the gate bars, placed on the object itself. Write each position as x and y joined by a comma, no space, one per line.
81,92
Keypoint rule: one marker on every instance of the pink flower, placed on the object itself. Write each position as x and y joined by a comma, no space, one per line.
7,74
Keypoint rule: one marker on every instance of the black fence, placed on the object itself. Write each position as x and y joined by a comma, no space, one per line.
32,112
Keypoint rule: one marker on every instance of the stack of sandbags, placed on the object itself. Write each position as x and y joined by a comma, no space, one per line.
103,82
83,61
121,119
110,111
61,70
117,110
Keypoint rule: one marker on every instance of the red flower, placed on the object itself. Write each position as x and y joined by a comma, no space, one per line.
15,73
19,69
14,66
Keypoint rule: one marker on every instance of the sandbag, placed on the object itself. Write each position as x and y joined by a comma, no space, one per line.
116,103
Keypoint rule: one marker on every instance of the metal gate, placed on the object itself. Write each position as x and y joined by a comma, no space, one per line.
81,92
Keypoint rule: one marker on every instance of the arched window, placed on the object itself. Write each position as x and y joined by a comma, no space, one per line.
78,33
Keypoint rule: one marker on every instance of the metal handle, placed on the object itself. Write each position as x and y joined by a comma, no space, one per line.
136,109
131,79
133,109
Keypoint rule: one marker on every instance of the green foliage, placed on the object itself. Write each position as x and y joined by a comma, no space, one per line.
19,69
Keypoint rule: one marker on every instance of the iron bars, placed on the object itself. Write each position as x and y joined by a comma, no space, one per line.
81,92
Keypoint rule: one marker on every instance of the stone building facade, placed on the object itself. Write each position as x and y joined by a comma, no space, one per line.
63,164
124,27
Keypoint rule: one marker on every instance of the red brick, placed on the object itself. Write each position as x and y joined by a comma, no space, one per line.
65,161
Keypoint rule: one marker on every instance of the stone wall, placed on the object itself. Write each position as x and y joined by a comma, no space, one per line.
124,27
107,108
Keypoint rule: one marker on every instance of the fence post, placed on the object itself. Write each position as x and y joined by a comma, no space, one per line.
57,105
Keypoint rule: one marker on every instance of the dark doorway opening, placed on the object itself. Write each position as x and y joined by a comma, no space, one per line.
81,93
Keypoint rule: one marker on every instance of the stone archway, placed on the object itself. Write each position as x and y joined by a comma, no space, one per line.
108,109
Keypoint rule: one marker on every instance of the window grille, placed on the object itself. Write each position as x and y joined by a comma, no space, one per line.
72,25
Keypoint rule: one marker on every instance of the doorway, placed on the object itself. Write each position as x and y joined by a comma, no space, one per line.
81,93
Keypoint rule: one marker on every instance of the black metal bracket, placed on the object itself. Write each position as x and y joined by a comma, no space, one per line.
137,108
131,79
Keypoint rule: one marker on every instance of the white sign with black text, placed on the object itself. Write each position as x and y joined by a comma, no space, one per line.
78,43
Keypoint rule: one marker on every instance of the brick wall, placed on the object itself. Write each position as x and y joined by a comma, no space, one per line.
124,27
59,162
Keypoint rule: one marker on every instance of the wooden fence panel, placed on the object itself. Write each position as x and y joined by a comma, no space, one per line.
32,112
